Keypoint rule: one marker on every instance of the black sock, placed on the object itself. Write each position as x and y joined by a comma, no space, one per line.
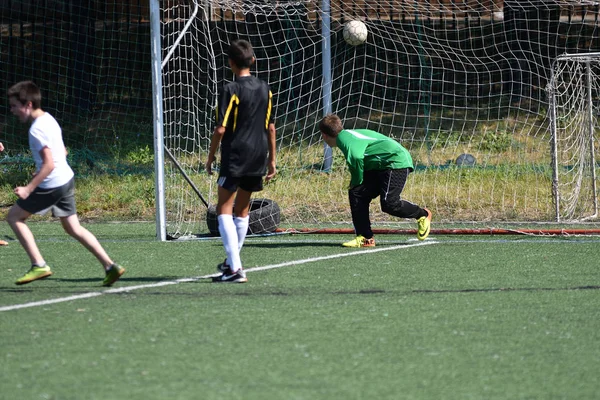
422,213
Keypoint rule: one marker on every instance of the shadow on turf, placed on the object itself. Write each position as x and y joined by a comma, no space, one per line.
125,279
30,287
590,287
15,290
313,244
298,244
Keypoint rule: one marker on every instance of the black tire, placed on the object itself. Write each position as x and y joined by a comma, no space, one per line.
264,214
211,220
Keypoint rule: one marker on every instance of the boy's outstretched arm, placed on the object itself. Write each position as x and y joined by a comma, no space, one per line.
1,147
272,165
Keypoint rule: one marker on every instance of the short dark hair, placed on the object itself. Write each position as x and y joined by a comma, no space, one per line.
241,53
331,125
25,92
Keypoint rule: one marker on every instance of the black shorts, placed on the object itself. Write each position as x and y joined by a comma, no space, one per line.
247,183
61,200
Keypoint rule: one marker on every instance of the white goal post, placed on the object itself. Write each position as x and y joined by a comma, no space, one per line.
452,81
574,92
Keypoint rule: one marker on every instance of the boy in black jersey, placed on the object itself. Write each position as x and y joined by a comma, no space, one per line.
245,131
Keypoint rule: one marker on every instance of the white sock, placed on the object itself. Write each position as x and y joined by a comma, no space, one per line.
230,240
241,226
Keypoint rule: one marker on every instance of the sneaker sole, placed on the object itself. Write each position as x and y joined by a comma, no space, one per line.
424,236
121,272
47,274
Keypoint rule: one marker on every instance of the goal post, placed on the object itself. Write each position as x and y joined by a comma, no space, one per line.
157,126
451,81
574,95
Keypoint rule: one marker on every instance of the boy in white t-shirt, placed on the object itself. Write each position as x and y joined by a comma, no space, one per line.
52,186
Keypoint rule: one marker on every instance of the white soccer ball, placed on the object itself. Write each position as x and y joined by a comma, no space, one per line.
355,32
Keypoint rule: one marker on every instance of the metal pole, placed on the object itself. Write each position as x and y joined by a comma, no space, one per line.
186,177
554,142
157,102
326,57
591,133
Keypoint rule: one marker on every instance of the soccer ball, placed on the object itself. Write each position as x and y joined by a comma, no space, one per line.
355,32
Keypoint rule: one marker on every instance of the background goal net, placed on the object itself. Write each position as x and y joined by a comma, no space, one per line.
574,90
462,85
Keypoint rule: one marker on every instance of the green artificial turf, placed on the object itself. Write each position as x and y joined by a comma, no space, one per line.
451,318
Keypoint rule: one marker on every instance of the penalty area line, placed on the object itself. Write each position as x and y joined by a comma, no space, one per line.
187,280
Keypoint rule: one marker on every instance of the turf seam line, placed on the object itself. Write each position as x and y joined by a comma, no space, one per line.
186,280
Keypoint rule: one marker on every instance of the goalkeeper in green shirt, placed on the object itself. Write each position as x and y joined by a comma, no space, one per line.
379,166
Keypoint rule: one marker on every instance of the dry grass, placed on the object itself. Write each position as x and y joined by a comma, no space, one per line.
509,183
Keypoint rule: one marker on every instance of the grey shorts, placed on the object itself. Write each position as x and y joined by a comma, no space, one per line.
59,200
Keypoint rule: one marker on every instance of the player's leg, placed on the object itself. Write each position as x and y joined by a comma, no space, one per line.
360,198
392,184
39,201
66,210
226,196
242,217
248,185
16,220
72,227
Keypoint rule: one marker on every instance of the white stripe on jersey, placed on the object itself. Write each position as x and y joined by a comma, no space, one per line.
359,135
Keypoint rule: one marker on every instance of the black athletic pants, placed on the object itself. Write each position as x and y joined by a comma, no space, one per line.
388,185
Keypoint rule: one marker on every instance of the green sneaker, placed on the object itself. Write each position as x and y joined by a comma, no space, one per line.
424,225
34,274
113,275
360,241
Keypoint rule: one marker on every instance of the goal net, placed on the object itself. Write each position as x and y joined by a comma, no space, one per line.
574,90
460,84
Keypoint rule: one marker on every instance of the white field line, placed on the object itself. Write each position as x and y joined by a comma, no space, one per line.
185,280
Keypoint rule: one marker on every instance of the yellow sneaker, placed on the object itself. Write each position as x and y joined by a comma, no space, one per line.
113,275
34,274
360,241
424,225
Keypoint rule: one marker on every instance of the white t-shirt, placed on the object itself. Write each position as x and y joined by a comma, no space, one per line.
45,132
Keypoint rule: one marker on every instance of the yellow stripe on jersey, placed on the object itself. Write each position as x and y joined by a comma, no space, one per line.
269,110
236,100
